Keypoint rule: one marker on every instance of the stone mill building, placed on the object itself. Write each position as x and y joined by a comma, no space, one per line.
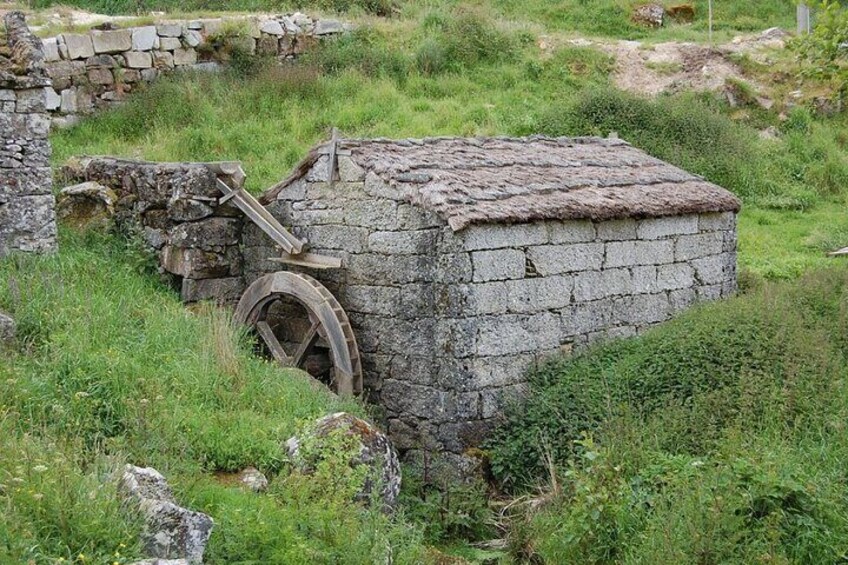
466,261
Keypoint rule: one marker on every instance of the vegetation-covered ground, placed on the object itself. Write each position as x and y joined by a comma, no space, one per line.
716,438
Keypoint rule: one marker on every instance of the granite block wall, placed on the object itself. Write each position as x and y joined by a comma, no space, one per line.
174,208
100,68
448,323
27,205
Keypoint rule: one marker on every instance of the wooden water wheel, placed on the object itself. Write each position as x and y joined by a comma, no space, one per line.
324,330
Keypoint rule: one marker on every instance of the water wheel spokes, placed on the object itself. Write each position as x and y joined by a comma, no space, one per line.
328,327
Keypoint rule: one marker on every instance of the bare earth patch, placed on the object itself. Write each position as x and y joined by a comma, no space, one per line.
651,69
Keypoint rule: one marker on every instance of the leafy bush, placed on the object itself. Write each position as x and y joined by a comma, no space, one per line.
773,354
823,50
464,38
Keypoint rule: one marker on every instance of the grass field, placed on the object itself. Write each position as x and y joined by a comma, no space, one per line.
716,438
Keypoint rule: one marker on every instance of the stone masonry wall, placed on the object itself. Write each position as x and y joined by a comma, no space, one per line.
27,214
99,68
449,323
174,208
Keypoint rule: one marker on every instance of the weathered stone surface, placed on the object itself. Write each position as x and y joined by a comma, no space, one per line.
272,27
632,253
375,451
556,259
86,205
657,228
138,60
169,43
185,56
170,531
254,480
169,30
651,15
145,38
223,290
115,41
207,234
327,27
7,330
192,38
51,49
79,45
498,265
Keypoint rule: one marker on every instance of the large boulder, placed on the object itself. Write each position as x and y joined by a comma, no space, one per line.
650,15
85,205
375,450
170,531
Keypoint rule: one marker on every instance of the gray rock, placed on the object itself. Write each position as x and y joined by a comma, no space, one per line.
328,27
114,41
145,38
51,49
169,30
170,43
651,15
138,60
272,27
170,531
185,57
52,100
193,38
79,45
8,329
254,480
375,450
89,204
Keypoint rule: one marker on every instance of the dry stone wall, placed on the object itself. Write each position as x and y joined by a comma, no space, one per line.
174,208
448,323
27,215
99,68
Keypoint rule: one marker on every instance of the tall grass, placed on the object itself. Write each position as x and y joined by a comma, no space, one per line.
715,438
111,368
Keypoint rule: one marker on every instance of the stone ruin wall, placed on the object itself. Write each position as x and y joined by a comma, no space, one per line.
174,208
99,68
27,216
449,323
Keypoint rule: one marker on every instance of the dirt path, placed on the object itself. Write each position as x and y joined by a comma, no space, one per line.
652,69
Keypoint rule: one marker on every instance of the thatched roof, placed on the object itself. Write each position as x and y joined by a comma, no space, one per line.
511,180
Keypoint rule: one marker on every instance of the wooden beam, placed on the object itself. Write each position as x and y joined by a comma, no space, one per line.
311,260
261,217
839,252
273,343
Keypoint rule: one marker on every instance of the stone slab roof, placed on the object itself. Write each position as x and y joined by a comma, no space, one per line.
511,180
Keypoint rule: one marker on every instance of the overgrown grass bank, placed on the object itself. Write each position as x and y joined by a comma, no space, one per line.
458,73
110,369
715,438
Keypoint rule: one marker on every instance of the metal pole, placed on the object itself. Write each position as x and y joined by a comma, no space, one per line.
803,18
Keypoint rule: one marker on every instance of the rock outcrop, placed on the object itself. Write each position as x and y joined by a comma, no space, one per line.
375,450
170,531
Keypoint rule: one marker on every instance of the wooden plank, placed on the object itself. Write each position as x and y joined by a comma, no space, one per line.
839,253
262,218
311,260
273,343
308,342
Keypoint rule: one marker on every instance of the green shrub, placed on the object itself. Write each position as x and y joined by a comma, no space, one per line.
772,354
465,38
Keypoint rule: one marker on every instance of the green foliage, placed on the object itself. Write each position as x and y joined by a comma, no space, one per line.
822,51
447,510
723,422
110,368
771,353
